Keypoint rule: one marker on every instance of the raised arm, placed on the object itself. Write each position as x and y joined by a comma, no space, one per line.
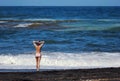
42,43
34,43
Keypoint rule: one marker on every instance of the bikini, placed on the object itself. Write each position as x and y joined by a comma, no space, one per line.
38,55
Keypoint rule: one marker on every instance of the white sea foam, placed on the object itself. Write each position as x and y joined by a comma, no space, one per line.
23,25
3,21
59,60
50,20
28,24
108,20
44,19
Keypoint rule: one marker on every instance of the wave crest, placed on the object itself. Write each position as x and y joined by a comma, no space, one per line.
29,25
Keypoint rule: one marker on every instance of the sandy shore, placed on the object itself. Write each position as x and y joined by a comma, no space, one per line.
103,74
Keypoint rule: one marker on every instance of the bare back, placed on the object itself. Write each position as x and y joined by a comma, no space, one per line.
38,47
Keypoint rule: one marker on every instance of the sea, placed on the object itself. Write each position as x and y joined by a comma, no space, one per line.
75,36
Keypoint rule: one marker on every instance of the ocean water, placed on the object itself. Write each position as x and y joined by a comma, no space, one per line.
75,37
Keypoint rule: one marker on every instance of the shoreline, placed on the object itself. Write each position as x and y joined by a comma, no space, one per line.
49,69
26,70
96,74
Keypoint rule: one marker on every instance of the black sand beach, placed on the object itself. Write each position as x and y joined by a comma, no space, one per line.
99,74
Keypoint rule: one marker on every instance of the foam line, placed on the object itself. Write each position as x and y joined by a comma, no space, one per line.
59,60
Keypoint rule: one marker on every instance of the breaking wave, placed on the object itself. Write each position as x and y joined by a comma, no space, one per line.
60,60
28,25
2,22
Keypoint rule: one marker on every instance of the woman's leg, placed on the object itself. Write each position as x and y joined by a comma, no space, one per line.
38,59
37,63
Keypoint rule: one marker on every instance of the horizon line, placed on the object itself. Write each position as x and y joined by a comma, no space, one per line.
62,6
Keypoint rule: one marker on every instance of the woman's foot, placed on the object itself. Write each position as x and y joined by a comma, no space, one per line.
37,70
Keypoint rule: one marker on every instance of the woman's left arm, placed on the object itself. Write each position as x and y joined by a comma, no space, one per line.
42,43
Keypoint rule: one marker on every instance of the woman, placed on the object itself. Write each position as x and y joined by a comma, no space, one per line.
38,45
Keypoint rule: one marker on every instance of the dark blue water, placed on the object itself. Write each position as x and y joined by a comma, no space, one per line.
60,12
64,29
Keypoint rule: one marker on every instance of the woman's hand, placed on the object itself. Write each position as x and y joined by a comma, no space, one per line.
42,42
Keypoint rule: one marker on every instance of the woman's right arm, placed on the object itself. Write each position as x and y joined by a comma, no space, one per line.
34,43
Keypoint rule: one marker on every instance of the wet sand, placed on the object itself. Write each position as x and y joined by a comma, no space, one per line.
99,74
